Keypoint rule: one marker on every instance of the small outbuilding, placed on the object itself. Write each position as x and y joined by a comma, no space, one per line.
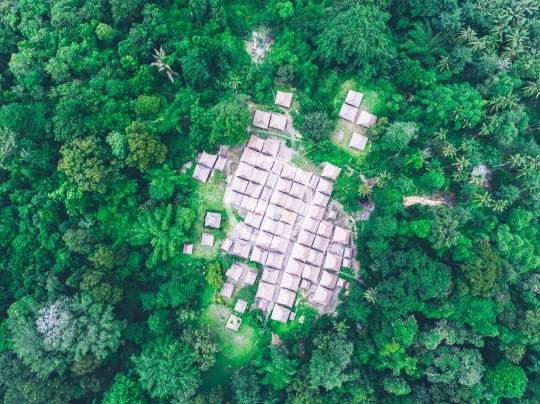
322,295
234,323
280,314
354,98
358,141
325,187
366,119
266,291
241,249
201,173
235,272
283,99
251,277
212,220
220,163
255,142
207,160
342,236
271,146
330,171
278,121
227,243
286,297
227,290
328,280
332,262
348,112
207,240
240,306
261,119
187,248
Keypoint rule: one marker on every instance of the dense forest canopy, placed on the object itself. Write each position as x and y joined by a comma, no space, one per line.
102,102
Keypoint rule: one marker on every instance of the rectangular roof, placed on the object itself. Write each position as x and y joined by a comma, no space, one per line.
201,173
278,121
261,119
207,160
354,98
366,119
254,190
255,142
271,147
283,99
348,112
358,141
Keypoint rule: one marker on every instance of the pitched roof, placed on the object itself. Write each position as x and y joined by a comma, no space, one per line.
244,231
305,284
292,204
279,244
233,323
268,225
320,243
347,263
277,167
187,248
322,295
250,156
342,236
273,211
275,260
207,239
264,239
240,306
278,198
290,281
259,176
328,280
272,180
330,171
283,185
288,216
207,160
261,207
315,257
305,238
235,271
263,304
320,199
331,214
265,162
253,219
302,177
347,253
325,187
299,252
266,291
294,267
310,225
248,203
258,255
227,290
212,220
255,142
284,230
234,198
332,262
241,249
314,181
261,119
358,141
226,245
251,277
254,190
283,99
270,275
266,193
288,172
347,112
271,146
325,229
239,185
298,190
286,297
366,119
354,98
310,272
278,121
280,314
201,173
315,212
220,163
244,171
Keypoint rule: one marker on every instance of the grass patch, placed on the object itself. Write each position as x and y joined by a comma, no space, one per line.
235,347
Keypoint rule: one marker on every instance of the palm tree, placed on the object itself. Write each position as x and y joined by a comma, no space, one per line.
462,163
364,190
482,199
371,295
444,63
532,89
485,130
516,161
449,150
234,82
162,65
469,145
499,206
466,35
340,326
440,134
382,179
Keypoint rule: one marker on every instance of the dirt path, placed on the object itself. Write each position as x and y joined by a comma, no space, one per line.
413,200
